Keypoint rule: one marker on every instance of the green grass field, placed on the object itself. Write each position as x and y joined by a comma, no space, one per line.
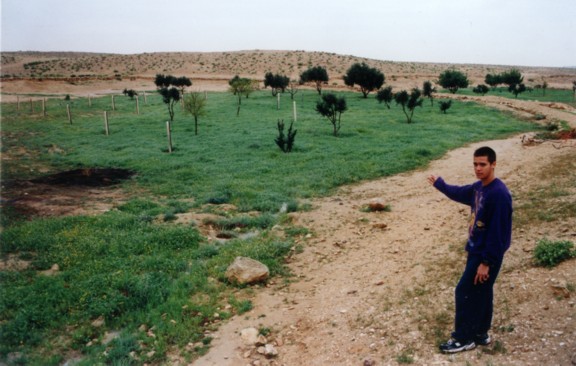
158,284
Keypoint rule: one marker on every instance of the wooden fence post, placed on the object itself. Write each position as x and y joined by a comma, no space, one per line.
145,98
31,106
278,101
113,104
137,106
17,102
169,136
89,101
69,113
44,107
106,127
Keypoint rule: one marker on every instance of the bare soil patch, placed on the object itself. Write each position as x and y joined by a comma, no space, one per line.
87,191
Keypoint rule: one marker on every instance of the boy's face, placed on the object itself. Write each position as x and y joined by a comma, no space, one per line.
483,169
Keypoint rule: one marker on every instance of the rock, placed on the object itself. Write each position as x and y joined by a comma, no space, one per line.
52,271
270,351
98,322
261,340
246,270
249,335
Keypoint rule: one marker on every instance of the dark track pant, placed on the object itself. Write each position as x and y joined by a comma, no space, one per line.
474,303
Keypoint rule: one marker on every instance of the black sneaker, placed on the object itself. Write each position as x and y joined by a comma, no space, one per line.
454,346
483,339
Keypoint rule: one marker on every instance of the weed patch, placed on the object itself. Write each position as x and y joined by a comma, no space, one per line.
550,253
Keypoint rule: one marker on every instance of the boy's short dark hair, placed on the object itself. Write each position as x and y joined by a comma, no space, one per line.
486,151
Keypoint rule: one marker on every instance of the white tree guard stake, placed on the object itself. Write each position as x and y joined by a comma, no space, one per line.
145,98
89,101
205,95
278,101
137,106
69,113
169,133
113,104
106,126
294,110
44,107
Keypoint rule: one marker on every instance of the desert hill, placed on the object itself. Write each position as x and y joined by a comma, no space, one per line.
82,73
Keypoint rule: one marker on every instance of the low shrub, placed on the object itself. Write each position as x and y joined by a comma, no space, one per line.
550,253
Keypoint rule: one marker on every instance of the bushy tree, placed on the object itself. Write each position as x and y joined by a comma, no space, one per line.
181,83
493,80
514,79
130,93
453,80
409,102
277,82
195,104
385,96
428,90
317,75
166,87
332,108
366,77
445,105
481,89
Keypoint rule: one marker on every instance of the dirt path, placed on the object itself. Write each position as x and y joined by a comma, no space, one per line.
374,288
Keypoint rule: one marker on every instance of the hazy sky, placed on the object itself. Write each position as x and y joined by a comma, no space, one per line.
506,32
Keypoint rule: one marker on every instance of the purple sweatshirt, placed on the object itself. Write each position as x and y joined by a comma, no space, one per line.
490,230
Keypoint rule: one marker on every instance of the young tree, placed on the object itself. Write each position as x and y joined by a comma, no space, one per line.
428,90
317,75
481,89
278,83
195,104
292,88
181,83
385,96
493,80
130,93
409,101
452,80
368,78
241,87
544,87
285,143
445,105
574,89
332,108
514,80
170,94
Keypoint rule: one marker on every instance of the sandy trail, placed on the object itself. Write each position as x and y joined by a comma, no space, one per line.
366,282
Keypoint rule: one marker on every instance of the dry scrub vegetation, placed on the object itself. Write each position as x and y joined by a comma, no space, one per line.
92,73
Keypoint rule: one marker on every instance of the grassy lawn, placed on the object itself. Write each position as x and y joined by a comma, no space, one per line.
158,285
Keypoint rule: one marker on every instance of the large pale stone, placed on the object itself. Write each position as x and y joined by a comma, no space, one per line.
249,335
246,270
